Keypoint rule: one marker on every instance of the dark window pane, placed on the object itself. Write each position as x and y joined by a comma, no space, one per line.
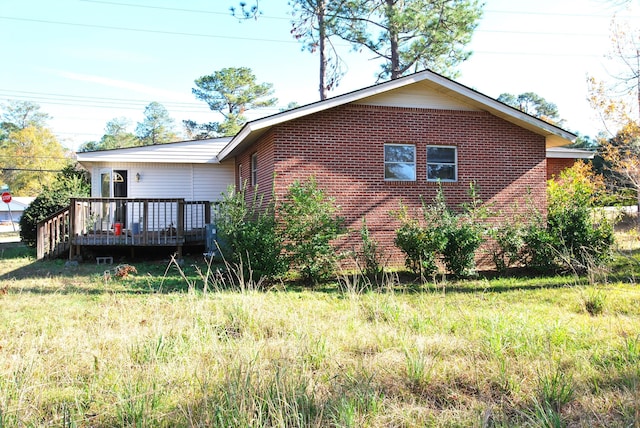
442,172
441,155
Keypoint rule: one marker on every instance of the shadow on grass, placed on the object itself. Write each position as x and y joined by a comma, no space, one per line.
161,276
88,278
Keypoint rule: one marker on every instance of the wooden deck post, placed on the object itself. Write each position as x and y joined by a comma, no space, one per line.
180,230
73,251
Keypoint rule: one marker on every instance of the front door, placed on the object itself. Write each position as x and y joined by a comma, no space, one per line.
120,191
114,184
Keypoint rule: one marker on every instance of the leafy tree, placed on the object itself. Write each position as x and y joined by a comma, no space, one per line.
618,105
21,114
116,136
309,221
230,92
69,182
30,158
157,126
412,35
534,105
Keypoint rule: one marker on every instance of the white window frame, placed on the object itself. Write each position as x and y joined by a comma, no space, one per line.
254,169
386,162
455,163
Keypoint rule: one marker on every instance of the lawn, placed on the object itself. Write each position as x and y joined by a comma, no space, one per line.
83,347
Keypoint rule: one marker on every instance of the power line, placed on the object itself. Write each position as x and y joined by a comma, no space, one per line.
202,11
31,169
176,9
100,99
253,39
139,30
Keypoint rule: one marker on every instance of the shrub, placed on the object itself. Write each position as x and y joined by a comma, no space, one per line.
309,224
420,246
540,249
70,182
463,239
581,241
442,233
248,235
508,239
371,255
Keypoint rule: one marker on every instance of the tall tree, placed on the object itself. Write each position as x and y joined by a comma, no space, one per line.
157,126
20,114
230,92
116,136
314,23
30,159
412,35
534,105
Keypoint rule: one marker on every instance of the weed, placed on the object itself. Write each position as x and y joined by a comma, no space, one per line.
594,301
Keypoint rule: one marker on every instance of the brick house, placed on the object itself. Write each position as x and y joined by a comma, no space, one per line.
392,143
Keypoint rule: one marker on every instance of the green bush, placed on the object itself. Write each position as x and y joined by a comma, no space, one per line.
420,246
508,241
309,224
248,235
442,233
70,183
463,239
371,255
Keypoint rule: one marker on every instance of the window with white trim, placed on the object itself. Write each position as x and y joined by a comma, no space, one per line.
399,162
254,169
442,163
240,183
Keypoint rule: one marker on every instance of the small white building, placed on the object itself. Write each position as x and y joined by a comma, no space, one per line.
14,209
185,169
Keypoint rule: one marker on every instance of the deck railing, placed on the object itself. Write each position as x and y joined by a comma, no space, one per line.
128,222
52,239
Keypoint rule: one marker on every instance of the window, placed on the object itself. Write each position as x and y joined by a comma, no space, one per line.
442,163
240,183
254,169
399,162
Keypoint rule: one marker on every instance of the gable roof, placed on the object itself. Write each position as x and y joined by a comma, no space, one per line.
425,81
194,151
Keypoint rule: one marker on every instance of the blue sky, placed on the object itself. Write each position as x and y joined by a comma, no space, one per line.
88,61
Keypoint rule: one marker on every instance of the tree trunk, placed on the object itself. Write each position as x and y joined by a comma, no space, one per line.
393,39
322,35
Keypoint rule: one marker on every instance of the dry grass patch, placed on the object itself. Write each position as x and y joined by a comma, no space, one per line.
76,351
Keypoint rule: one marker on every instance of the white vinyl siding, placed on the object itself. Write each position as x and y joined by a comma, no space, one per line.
199,182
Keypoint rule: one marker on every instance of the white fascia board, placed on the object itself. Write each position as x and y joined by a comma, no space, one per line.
569,153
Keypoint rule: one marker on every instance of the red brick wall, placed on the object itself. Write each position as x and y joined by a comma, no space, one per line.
344,149
557,165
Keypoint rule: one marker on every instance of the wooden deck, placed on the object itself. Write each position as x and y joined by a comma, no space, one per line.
123,222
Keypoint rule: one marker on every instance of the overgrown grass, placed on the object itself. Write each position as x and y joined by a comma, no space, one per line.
155,349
